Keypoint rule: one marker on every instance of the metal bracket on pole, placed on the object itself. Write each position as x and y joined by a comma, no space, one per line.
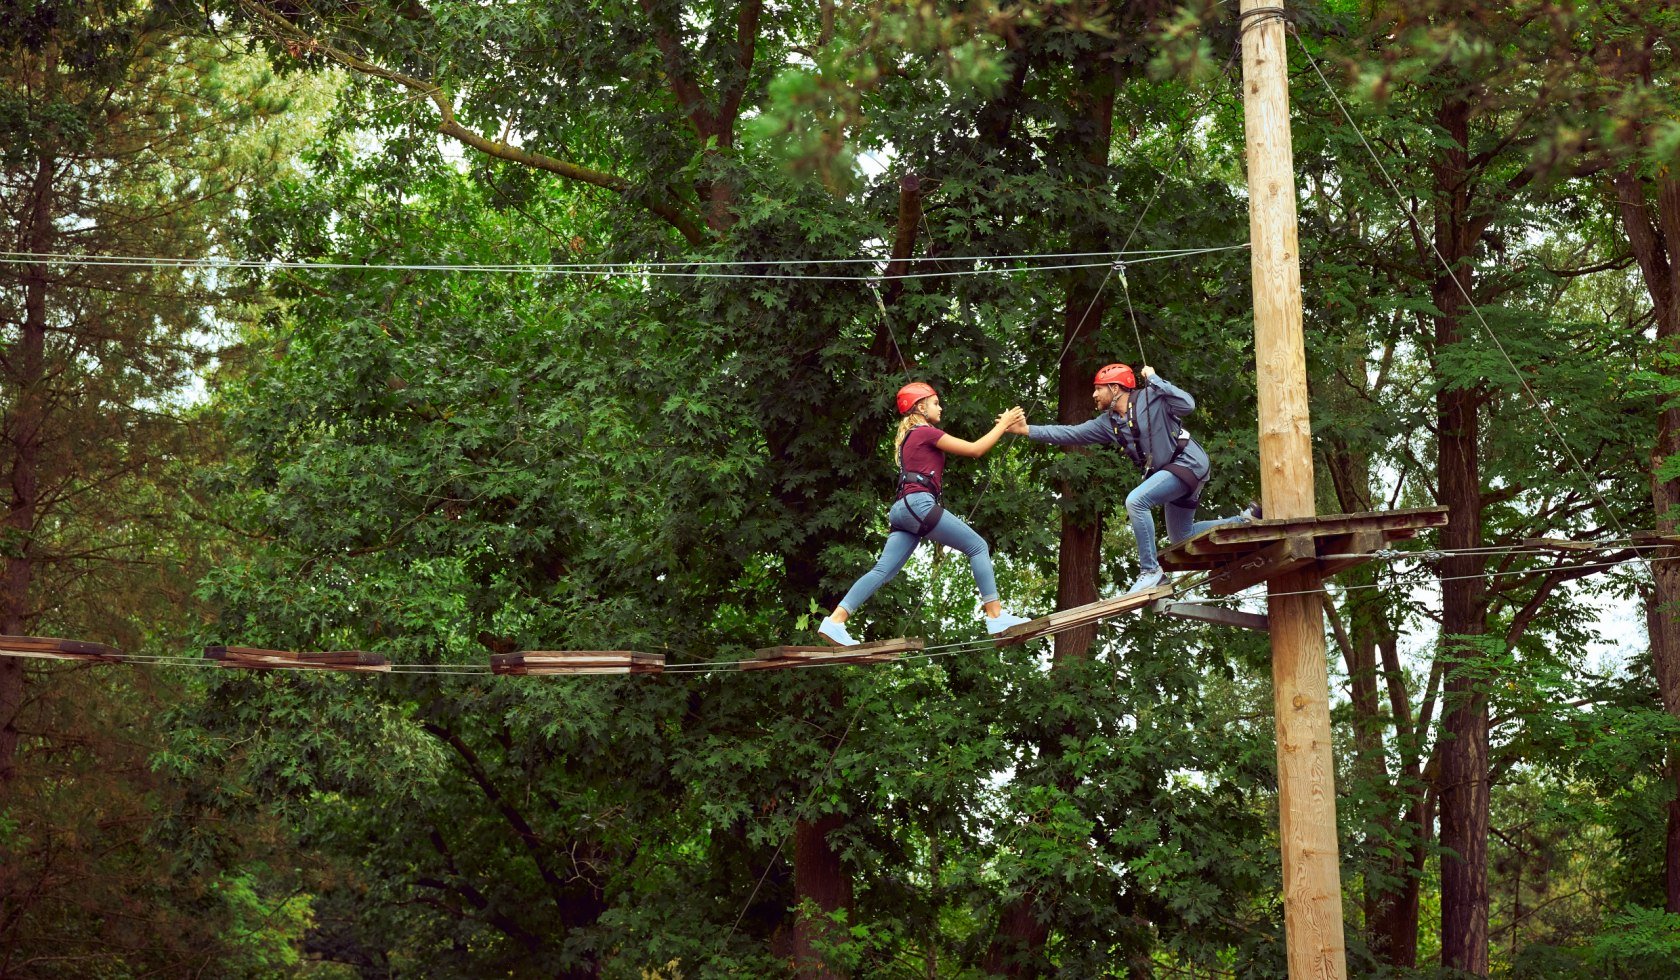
1217,615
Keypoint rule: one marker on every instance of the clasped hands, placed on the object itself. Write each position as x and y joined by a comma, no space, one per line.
1014,421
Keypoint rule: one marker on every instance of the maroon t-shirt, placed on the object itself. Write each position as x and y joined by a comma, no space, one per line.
920,455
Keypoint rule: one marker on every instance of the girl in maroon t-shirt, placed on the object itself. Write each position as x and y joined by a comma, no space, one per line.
915,514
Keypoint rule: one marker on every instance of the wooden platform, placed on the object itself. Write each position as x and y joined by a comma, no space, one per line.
553,662
256,658
1240,555
1081,615
54,648
880,651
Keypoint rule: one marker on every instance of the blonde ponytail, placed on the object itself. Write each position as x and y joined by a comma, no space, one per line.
911,419
905,424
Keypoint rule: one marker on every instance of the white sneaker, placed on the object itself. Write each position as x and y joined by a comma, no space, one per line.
1147,581
1002,621
835,633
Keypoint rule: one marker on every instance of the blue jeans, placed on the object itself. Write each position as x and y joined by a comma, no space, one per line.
1160,490
950,531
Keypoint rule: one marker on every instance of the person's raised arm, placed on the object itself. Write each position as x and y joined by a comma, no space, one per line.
979,447
1179,402
1096,432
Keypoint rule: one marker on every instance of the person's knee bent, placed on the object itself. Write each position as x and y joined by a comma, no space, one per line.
1137,505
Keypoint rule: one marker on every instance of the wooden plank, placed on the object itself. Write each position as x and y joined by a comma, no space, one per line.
546,663
830,656
1216,547
1173,560
1081,615
56,648
1409,519
221,652
1360,542
258,658
902,644
1415,519
1202,545
1206,613
874,652
1289,555
344,658
349,658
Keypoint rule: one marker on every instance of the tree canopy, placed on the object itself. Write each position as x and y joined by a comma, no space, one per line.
557,325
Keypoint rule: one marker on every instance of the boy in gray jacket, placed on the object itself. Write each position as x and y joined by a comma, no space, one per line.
1145,423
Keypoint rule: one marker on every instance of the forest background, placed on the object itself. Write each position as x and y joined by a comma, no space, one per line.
301,439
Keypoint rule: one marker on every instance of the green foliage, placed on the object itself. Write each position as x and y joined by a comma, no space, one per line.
441,465
1637,943
123,133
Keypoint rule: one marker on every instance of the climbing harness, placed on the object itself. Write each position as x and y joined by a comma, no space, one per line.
1121,374
912,482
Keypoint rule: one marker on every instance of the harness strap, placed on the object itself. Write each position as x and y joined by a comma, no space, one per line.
925,525
913,482
1192,486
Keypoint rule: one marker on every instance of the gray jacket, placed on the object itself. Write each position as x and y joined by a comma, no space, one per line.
1151,433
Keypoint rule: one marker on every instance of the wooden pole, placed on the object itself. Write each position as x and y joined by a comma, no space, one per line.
1312,890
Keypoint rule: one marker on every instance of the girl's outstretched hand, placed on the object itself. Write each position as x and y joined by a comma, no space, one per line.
1010,420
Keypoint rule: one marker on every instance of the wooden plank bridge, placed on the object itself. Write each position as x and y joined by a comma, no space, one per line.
1236,557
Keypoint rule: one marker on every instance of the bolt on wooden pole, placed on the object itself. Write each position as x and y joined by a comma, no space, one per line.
1312,891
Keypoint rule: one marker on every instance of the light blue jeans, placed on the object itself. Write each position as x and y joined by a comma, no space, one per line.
1160,490
950,531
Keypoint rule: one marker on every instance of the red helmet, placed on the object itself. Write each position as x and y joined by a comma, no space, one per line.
1117,374
912,393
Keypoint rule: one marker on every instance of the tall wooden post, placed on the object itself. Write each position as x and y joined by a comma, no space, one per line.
1312,891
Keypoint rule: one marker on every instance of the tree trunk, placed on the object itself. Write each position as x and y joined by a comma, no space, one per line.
1664,600
819,876
1368,632
1464,736
1081,540
1395,930
1020,936
1653,244
24,433
1091,132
